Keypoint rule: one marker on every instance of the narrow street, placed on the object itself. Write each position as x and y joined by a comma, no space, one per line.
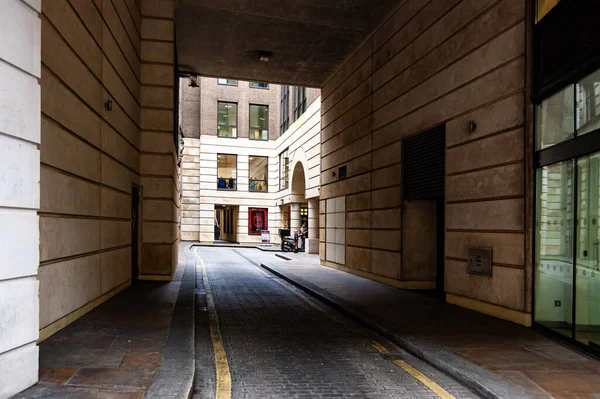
269,340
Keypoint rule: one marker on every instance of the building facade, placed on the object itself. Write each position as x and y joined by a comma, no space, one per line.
251,160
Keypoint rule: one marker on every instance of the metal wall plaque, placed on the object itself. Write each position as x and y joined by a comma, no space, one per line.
479,261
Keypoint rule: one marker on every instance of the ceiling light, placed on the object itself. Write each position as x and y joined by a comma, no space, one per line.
264,55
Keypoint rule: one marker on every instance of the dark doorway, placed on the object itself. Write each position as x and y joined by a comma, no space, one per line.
135,230
423,207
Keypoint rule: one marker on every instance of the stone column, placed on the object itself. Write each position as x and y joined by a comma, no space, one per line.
312,243
294,217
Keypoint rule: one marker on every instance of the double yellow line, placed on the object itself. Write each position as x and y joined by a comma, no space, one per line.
223,375
428,382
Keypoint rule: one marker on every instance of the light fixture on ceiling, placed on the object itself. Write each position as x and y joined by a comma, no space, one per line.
264,55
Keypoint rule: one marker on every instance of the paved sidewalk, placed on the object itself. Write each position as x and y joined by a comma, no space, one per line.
536,364
115,350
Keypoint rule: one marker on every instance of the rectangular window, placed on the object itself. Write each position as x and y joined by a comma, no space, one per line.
555,118
257,220
284,170
227,82
284,108
227,119
299,102
259,122
258,85
258,173
226,172
588,103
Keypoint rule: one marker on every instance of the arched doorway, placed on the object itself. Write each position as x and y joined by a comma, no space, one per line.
303,210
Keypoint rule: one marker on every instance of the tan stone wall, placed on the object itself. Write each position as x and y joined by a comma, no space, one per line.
19,194
442,62
93,52
243,95
159,171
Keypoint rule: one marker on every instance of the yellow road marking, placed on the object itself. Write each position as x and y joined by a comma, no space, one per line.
223,375
380,348
429,383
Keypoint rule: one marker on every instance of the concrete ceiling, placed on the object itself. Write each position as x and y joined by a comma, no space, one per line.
309,39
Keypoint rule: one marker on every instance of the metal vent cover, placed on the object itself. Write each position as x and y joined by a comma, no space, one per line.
424,165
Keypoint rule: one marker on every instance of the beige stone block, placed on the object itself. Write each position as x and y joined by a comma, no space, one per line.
157,74
119,148
157,259
504,288
115,233
157,29
158,232
115,204
157,52
358,258
358,76
395,22
83,159
131,48
121,122
156,164
487,215
158,8
60,193
190,236
386,263
387,219
350,135
496,117
190,179
158,210
119,92
116,175
390,240
159,97
504,181
388,155
157,142
129,73
153,119
346,69
357,202
387,197
62,105
90,16
345,121
115,268
506,147
61,237
19,307
359,238
390,176
20,28
507,249
494,85
358,220
346,153
127,20
67,286
362,91
19,368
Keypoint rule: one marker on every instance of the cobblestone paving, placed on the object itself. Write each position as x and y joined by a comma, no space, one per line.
280,343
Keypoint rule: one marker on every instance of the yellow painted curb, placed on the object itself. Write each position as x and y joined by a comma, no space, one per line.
491,310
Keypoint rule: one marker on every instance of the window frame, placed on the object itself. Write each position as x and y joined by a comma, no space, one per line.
236,176
250,128
227,82
299,102
284,110
230,126
266,180
254,85
287,169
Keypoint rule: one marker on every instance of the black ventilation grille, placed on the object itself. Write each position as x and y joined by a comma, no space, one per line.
424,165
342,172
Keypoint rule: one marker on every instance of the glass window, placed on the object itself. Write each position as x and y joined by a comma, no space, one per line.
227,82
284,108
227,125
259,122
543,7
258,173
284,170
587,272
300,102
226,172
555,119
588,103
554,247
258,85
